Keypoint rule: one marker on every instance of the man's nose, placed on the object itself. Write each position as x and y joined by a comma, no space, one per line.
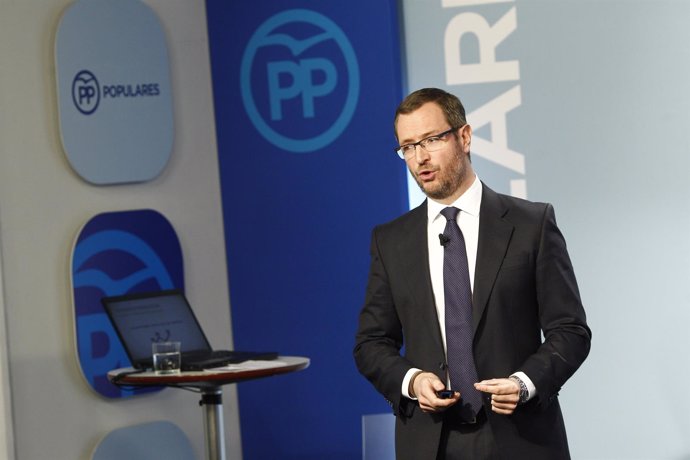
420,154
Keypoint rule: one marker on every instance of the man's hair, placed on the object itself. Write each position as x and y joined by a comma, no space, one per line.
450,105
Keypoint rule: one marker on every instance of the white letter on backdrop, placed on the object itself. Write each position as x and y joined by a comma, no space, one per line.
450,3
487,70
493,113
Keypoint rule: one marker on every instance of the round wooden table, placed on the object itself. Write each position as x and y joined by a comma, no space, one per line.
209,382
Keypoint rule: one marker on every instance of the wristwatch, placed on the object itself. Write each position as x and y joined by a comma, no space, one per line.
524,393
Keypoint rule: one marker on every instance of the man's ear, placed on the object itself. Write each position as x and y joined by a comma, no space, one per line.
466,137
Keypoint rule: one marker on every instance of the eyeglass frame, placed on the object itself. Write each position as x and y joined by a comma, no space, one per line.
421,143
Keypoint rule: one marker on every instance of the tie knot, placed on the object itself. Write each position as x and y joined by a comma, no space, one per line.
450,213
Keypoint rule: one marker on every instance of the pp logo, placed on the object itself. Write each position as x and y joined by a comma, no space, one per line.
118,253
86,93
299,80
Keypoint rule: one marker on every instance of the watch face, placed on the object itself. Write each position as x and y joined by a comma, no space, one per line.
523,395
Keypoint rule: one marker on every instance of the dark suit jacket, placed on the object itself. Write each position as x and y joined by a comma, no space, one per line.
524,284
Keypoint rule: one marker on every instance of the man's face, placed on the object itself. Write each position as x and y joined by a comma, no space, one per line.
445,174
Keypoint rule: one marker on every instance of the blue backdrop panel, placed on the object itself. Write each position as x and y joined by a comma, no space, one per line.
305,93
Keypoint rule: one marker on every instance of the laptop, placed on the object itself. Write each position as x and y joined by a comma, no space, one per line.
163,316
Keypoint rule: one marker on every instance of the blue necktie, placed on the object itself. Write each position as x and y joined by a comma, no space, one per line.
459,329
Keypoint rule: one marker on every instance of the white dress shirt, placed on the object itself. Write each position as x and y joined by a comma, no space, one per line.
468,221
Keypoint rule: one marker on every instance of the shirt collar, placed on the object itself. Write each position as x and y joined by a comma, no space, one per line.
468,202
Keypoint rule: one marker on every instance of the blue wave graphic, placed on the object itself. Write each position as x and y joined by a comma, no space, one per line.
109,240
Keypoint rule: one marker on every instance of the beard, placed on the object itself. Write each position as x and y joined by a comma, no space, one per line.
448,180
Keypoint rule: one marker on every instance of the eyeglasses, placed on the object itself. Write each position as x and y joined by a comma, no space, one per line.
430,144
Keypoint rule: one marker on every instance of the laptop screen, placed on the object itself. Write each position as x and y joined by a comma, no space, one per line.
141,319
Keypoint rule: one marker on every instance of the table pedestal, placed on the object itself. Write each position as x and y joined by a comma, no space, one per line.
209,383
212,402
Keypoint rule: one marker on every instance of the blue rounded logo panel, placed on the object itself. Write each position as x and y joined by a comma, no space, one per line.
114,92
118,253
299,80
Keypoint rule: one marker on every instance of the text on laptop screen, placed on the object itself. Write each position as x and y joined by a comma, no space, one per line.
157,319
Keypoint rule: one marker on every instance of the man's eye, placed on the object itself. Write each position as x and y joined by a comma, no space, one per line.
407,148
432,140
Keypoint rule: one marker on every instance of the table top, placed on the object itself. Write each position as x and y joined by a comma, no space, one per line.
233,373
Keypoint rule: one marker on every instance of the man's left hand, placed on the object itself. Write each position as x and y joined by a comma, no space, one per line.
505,394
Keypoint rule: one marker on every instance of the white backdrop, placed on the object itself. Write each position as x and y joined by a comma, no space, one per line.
602,124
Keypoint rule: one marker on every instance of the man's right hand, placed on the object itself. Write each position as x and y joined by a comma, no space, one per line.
424,387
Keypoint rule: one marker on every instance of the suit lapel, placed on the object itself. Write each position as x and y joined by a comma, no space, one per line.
413,251
494,235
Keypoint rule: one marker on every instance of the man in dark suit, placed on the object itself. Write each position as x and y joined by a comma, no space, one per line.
522,286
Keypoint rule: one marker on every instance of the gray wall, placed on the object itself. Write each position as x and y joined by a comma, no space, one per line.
43,204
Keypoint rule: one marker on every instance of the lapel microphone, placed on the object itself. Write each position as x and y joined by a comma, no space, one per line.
443,239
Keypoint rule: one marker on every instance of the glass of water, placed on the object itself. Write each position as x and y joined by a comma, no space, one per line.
166,357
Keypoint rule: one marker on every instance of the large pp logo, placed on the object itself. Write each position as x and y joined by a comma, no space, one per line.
118,253
86,94
299,80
